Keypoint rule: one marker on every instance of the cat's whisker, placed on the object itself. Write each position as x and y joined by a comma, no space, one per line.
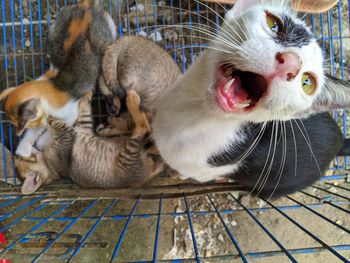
266,177
295,149
222,30
214,34
215,38
256,141
303,126
284,154
188,47
309,145
262,174
223,19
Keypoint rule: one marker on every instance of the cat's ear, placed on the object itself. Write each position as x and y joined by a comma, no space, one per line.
29,115
239,7
335,95
32,182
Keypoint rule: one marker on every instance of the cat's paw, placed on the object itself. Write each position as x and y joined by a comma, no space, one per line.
24,149
55,124
139,117
87,98
133,100
110,131
100,130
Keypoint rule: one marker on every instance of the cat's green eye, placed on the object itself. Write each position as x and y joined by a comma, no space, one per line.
274,23
308,82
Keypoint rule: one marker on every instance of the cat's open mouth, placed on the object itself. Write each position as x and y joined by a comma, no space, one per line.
238,90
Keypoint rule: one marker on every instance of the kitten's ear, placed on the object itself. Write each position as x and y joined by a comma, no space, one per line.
335,95
32,182
29,115
239,7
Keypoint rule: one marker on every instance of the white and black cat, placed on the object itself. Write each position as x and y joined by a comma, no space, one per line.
237,111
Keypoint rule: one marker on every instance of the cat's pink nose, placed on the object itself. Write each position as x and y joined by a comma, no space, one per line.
288,65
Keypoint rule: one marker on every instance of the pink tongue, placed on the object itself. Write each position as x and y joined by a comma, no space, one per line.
240,94
237,92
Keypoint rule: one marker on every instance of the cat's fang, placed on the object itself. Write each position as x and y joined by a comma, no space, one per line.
242,105
227,87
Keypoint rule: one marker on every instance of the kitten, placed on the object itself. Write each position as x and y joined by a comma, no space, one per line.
233,113
76,42
43,168
94,162
139,64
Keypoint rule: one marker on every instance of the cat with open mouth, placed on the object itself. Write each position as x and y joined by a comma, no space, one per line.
253,106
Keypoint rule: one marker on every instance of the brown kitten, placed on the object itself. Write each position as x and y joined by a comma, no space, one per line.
139,64
95,162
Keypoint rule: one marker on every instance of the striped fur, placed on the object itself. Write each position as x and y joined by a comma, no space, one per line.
139,64
95,162
76,42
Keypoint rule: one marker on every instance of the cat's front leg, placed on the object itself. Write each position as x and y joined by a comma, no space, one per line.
43,140
25,147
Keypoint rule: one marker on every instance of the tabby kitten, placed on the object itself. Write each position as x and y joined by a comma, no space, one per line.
139,64
91,161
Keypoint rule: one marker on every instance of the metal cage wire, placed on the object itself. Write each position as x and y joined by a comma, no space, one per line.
65,226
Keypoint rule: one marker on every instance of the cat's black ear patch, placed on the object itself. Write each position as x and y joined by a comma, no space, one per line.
294,34
27,111
334,95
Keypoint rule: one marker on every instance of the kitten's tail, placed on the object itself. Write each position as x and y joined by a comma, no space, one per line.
345,149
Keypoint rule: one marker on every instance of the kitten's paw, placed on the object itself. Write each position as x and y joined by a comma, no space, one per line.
24,149
101,130
32,158
133,100
88,97
110,131
55,124
139,117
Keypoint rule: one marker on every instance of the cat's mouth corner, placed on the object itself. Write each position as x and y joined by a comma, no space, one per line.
238,91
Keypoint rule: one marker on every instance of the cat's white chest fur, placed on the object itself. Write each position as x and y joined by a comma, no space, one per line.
189,150
68,113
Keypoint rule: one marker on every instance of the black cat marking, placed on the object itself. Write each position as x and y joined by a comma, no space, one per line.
301,167
293,35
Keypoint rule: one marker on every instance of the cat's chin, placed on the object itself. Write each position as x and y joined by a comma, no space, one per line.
238,91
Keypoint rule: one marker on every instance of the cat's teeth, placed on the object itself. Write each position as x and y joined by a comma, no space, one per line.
241,105
228,85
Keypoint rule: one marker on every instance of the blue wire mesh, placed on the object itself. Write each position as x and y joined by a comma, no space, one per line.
74,225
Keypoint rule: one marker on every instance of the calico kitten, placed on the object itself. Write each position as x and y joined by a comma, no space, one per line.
91,161
46,167
139,64
239,110
77,41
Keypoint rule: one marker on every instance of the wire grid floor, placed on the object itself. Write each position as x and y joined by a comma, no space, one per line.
70,225
310,225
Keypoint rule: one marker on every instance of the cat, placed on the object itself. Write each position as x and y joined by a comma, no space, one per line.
76,43
91,161
44,169
137,63
240,109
